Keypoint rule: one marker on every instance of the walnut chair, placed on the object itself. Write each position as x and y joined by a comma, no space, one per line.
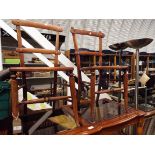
128,115
14,71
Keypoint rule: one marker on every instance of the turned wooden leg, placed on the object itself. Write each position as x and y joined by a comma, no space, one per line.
126,90
14,96
92,95
140,126
74,98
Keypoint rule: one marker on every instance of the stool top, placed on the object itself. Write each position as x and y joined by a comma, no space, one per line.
118,46
139,43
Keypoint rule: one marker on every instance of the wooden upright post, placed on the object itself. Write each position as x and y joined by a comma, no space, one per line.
55,65
115,69
14,96
74,99
147,66
126,90
92,94
1,59
19,38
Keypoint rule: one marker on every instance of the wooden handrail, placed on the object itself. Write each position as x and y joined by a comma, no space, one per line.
18,22
37,50
38,69
85,32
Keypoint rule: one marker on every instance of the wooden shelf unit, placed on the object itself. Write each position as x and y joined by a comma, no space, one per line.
109,58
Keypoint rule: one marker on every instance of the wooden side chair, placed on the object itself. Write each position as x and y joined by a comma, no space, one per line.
81,83
126,111
99,67
57,29
22,69
115,125
14,93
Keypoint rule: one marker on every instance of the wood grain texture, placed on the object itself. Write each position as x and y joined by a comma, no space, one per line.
85,32
14,96
89,53
108,125
18,22
103,67
46,99
38,69
37,50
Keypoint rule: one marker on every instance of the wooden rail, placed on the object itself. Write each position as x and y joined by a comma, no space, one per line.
38,69
85,32
103,67
46,99
109,90
89,53
18,22
37,50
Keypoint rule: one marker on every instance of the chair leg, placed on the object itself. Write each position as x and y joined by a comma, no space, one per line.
98,96
92,96
99,88
55,127
140,126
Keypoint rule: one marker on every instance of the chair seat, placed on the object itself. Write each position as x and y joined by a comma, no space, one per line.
65,121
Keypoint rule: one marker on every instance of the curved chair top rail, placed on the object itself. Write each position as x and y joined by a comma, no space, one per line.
85,32
18,22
